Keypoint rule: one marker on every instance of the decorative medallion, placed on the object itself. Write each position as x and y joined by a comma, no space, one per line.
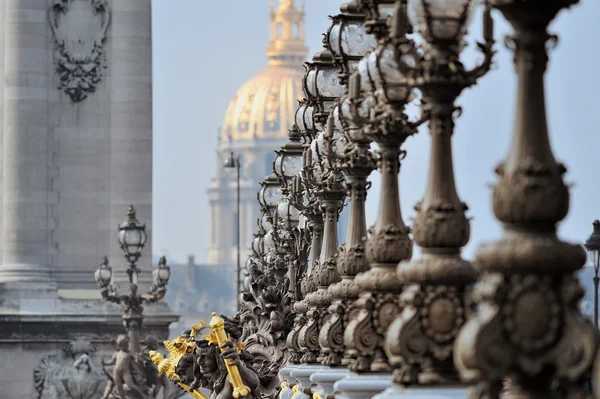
79,30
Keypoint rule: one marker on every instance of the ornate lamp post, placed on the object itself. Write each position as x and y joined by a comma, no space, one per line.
348,41
132,237
293,236
433,298
528,318
234,162
381,111
593,247
269,196
323,88
377,13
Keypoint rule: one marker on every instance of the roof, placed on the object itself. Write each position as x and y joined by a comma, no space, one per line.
264,107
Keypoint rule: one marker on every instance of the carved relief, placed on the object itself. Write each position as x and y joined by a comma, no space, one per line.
79,30
420,341
528,328
70,376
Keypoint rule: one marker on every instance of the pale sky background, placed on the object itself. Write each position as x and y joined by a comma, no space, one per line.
205,50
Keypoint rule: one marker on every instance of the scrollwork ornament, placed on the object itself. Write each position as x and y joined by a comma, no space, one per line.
360,338
308,339
79,30
331,336
419,343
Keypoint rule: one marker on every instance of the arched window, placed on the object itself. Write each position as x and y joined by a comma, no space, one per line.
279,31
295,31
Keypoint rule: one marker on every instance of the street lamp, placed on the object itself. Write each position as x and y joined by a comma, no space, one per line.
269,196
132,237
234,162
593,247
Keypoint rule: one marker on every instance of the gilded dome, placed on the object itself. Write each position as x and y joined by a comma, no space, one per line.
264,107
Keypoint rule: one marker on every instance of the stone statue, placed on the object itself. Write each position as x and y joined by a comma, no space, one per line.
153,377
127,376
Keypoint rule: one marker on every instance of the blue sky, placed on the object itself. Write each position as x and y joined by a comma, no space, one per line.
204,51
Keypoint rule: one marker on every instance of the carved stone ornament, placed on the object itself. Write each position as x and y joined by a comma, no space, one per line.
524,325
79,31
71,375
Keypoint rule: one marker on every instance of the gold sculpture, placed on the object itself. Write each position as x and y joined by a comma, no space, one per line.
218,334
177,349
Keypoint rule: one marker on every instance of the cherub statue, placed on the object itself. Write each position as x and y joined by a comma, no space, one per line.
124,370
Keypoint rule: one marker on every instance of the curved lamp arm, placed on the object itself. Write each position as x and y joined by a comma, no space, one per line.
486,48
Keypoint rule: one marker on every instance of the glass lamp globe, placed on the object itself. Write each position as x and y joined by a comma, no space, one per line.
316,158
366,83
258,245
270,193
265,223
304,118
322,83
162,273
335,137
384,71
277,164
339,120
268,241
377,14
103,275
132,236
302,221
288,215
441,19
289,160
385,11
348,39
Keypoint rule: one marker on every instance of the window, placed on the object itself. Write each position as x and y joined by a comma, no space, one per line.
295,31
279,31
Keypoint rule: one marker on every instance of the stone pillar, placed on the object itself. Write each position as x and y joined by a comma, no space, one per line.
2,23
26,162
130,76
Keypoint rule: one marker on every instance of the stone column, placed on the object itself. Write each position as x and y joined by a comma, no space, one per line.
2,22
27,145
130,76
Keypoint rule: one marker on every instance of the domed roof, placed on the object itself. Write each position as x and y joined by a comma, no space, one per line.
264,107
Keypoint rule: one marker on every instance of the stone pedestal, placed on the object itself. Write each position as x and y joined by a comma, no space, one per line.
397,392
363,386
326,378
302,373
286,382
